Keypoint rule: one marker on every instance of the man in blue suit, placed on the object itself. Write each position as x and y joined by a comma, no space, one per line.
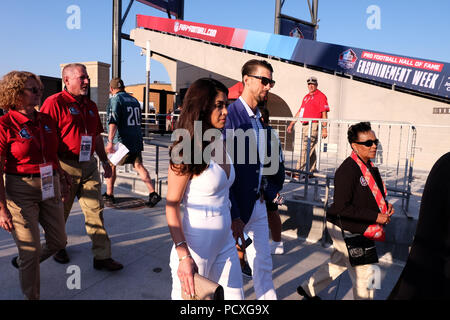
248,210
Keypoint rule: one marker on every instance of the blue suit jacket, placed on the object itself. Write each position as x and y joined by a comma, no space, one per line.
274,182
245,187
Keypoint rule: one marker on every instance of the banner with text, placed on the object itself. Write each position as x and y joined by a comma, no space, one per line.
417,74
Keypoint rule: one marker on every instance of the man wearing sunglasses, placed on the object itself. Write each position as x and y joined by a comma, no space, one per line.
248,209
314,105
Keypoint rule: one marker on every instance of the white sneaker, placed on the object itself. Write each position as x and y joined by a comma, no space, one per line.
276,247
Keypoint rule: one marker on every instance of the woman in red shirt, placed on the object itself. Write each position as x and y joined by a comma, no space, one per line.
34,181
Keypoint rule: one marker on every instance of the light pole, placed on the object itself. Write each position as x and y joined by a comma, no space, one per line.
116,38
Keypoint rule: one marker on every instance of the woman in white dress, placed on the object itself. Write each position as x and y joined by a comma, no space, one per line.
203,241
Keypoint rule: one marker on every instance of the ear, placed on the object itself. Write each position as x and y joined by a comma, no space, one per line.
245,79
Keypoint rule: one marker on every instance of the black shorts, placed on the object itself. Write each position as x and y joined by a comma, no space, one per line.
270,206
131,157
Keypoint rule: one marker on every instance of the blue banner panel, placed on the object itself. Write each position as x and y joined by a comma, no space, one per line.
175,7
417,74
296,29
412,73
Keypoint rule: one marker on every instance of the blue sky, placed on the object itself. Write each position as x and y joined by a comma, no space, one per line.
34,35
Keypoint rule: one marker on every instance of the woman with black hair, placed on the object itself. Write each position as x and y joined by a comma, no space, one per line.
359,207
200,175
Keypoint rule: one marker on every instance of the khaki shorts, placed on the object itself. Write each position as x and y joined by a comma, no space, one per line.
131,157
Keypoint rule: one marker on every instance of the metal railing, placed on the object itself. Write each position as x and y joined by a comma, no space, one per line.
394,158
151,122
150,154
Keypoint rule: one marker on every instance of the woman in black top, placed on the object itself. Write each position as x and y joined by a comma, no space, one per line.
353,199
359,200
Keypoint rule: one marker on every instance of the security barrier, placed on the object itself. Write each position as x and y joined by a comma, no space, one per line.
394,158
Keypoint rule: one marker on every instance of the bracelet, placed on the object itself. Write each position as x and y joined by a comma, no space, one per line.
184,257
179,243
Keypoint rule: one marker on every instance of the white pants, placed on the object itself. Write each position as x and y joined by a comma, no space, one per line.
258,253
338,262
212,246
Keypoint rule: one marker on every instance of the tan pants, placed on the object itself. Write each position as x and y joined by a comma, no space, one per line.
86,186
336,265
301,163
24,201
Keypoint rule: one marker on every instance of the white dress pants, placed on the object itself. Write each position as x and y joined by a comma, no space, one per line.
258,253
361,276
212,246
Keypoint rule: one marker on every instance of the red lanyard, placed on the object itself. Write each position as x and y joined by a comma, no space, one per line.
371,183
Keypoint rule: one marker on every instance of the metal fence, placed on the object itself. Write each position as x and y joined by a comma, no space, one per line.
394,158
151,122
155,154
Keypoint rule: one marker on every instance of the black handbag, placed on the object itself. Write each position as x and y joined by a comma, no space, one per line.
361,250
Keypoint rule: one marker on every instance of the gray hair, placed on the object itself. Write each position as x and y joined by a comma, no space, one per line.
72,66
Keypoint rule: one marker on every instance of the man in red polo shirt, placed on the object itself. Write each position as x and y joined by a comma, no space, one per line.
80,130
314,105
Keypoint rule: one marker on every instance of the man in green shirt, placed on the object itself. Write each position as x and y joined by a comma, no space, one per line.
124,126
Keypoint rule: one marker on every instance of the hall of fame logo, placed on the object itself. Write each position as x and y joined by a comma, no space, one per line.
347,59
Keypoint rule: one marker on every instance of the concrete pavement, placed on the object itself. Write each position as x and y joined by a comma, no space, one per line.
141,242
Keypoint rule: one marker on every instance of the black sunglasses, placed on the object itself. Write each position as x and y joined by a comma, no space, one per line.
34,90
368,143
265,81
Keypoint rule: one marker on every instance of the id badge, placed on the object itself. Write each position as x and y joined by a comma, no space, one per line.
47,187
302,110
85,148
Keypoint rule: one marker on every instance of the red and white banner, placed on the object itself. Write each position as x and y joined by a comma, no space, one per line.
217,34
407,62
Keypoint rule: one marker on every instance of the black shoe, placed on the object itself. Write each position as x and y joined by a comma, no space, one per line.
303,293
109,198
14,262
246,270
108,264
153,199
61,256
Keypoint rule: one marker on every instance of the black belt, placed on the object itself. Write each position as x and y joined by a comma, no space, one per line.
27,175
306,123
69,156
258,195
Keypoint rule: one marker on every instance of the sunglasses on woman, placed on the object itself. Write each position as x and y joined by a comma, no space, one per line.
265,81
368,143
